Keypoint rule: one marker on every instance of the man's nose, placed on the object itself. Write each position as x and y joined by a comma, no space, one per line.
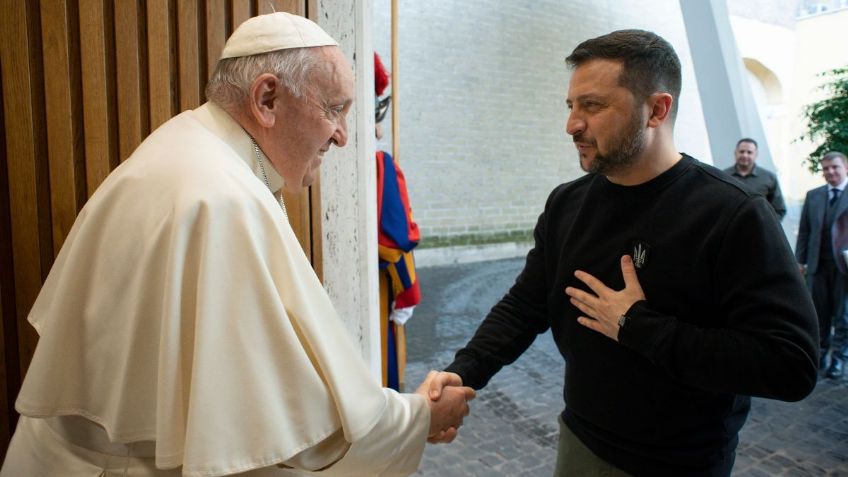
340,135
574,125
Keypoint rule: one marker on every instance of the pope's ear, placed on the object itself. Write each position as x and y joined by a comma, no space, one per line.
263,92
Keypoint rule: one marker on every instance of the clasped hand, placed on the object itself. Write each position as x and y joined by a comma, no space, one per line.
605,306
448,400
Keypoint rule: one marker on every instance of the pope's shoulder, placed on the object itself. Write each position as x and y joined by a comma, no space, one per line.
180,167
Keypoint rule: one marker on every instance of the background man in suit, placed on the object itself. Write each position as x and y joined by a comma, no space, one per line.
822,236
760,180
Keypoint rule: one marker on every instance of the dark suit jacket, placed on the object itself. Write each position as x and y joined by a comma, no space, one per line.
807,248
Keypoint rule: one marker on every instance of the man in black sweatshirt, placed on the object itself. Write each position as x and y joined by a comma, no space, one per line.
670,290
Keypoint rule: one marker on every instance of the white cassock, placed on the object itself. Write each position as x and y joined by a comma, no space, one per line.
183,318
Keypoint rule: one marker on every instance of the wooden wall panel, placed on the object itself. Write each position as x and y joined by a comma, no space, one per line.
117,70
60,46
217,30
189,54
29,197
297,207
5,421
97,58
10,375
292,6
316,234
161,64
240,10
132,94
29,234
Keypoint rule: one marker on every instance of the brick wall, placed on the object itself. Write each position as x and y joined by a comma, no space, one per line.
482,105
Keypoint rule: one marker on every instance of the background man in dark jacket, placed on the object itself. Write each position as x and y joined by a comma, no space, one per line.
760,180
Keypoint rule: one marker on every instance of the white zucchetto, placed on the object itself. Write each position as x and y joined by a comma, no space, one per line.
275,31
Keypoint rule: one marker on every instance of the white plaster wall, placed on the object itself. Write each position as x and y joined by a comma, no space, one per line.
348,189
774,47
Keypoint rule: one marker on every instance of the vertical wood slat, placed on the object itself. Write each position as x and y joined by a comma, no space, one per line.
5,415
10,376
216,34
97,51
159,65
132,110
315,231
263,7
60,46
298,7
297,207
189,54
29,199
316,234
241,10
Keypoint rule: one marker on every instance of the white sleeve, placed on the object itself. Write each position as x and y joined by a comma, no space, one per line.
392,448
401,315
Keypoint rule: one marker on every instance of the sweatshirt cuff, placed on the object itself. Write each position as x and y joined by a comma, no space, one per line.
464,367
646,331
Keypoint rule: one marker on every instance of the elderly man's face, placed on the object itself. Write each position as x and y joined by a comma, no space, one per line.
308,126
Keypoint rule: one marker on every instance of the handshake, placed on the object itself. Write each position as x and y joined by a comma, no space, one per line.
448,401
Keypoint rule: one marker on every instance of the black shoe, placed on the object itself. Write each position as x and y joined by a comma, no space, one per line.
836,369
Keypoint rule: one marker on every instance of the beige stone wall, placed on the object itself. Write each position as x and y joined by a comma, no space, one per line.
820,46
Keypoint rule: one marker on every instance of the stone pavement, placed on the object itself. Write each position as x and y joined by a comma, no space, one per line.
512,428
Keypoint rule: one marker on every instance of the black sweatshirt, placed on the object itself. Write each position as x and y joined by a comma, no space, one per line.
727,316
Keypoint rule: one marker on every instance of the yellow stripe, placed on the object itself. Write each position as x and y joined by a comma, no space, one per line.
410,266
389,254
384,330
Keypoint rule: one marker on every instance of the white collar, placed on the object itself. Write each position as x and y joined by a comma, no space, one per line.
217,120
840,187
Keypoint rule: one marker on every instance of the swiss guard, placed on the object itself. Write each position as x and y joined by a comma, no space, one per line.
397,235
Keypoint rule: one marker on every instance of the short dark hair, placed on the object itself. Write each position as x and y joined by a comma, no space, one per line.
829,156
649,63
747,139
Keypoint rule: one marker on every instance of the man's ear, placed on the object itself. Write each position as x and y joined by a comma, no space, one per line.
660,104
263,93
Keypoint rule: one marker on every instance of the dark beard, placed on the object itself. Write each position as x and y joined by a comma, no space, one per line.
623,151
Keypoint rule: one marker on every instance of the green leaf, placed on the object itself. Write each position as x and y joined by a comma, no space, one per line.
827,120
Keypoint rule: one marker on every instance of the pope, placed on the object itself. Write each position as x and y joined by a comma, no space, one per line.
182,328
